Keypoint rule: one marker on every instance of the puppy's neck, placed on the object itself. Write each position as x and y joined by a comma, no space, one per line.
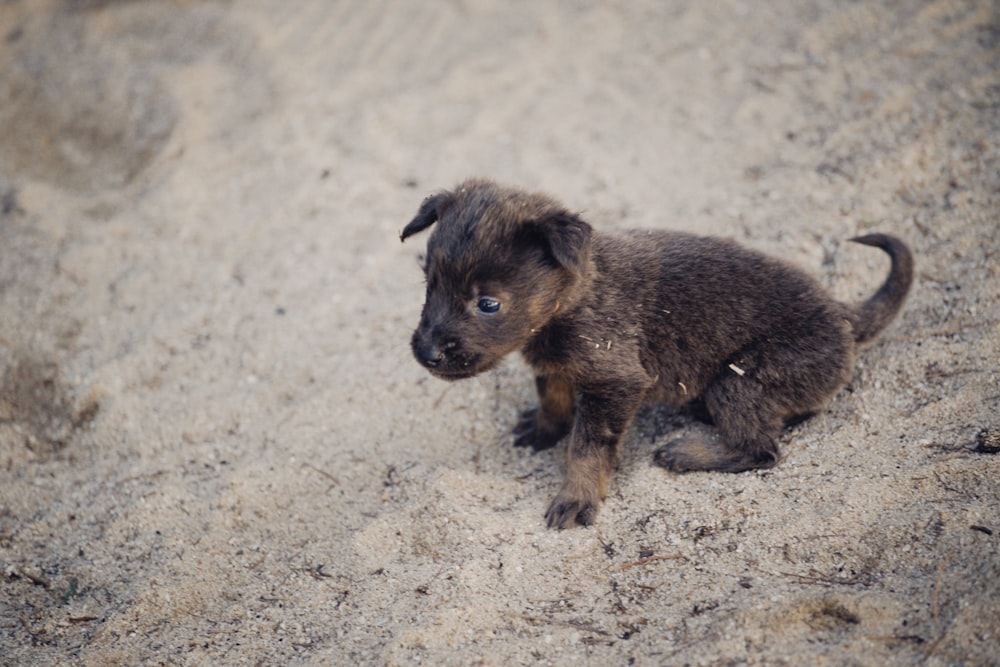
571,295
576,291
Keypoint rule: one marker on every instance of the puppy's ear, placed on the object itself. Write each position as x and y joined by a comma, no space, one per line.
568,239
429,213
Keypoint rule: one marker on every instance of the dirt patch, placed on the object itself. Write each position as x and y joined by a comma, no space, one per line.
72,115
38,409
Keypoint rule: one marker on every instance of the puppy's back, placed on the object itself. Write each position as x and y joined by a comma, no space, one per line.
713,286
697,301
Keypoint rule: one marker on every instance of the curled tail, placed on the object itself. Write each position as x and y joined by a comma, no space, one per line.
876,312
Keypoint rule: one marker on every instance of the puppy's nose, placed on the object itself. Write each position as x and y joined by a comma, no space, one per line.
429,355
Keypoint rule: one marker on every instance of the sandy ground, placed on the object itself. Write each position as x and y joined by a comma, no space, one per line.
215,447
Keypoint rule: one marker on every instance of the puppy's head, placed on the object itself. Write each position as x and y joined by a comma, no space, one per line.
500,264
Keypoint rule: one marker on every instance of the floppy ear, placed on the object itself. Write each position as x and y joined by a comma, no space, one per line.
568,239
428,214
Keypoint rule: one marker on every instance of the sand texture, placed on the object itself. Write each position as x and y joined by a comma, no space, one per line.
217,449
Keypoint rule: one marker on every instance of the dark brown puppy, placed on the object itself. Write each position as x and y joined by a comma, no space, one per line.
608,321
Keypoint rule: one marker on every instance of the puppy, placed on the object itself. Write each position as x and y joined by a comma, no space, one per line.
609,321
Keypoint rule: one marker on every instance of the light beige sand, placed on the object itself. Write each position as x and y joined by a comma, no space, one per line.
215,447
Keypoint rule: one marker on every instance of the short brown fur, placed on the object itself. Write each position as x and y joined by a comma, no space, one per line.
609,321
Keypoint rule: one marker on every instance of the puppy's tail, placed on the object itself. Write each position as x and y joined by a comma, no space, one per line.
874,314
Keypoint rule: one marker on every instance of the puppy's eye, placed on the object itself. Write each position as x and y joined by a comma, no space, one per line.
487,305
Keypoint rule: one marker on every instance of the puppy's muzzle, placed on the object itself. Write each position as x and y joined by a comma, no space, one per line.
441,356
431,350
428,353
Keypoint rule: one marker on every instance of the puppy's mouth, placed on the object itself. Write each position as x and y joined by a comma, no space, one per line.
448,361
453,373
459,368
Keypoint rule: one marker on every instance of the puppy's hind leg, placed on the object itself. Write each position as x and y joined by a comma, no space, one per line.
750,401
747,414
734,454
747,420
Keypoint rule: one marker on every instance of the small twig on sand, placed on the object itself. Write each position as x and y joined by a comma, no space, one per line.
901,639
35,579
937,585
444,392
934,603
648,559
321,472
818,579
548,620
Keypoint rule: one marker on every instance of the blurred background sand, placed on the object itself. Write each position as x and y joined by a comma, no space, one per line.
215,447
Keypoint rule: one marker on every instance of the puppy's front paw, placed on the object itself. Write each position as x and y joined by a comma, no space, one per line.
528,433
567,509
